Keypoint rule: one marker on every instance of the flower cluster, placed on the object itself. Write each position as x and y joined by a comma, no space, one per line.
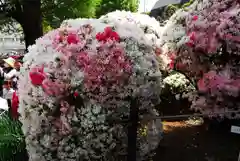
150,26
205,42
76,87
178,85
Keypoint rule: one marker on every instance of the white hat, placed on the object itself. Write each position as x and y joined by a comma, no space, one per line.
10,61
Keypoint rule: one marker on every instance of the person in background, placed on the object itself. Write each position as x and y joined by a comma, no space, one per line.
10,74
8,91
1,78
15,78
9,70
13,110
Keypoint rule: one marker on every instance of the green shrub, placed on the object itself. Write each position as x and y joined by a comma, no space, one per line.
12,143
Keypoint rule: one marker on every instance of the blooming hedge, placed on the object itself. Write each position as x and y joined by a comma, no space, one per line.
75,91
203,43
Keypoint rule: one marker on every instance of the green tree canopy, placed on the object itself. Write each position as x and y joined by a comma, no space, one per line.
107,6
55,11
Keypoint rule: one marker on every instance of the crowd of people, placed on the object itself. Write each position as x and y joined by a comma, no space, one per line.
9,74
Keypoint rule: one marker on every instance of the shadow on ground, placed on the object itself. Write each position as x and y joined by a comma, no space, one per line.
183,142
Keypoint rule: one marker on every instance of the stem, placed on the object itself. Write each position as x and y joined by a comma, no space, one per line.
132,131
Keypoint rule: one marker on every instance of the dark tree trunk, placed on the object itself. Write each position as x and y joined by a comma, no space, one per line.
32,21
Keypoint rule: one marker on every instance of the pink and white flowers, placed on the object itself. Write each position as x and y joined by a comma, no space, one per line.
205,40
77,78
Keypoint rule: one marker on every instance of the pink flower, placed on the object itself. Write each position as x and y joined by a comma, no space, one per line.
107,34
202,85
192,36
64,107
82,60
75,94
171,64
54,88
72,38
172,60
108,69
190,44
37,76
180,65
194,18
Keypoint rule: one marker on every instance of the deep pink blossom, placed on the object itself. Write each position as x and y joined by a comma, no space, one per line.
76,94
37,76
192,36
107,34
172,60
194,18
72,38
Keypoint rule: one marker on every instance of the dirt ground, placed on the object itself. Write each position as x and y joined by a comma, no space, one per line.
184,142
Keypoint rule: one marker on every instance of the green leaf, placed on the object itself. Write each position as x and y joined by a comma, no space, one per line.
11,138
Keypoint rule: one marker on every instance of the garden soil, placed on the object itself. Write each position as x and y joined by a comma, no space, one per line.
204,142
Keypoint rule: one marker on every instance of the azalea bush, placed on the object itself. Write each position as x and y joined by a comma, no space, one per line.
175,84
203,43
178,85
76,87
175,93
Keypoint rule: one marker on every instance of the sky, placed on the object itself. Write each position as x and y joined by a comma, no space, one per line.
148,5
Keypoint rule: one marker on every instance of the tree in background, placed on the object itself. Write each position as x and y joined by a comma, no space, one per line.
165,12
55,11
107,6
34,16
27,13
172,8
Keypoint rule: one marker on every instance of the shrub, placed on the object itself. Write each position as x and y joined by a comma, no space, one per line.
204,44
175,93
12,144
178,85
75,87
153,31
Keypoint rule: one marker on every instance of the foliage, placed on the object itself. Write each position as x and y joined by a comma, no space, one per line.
172,8
146,13
46,27
12,141
204,46
76,87
54,12
10,26
107,6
